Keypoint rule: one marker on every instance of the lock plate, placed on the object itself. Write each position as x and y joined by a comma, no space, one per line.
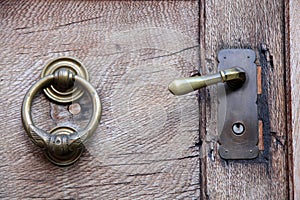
237,109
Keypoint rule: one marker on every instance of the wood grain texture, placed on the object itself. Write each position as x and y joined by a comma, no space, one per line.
245,24
146,146
294,29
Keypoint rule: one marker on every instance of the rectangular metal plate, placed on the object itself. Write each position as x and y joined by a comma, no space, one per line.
238,107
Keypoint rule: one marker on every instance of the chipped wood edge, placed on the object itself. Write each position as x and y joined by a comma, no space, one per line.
202,103
260,136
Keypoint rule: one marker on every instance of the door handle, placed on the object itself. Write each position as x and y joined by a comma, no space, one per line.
237,102
63,145
234,77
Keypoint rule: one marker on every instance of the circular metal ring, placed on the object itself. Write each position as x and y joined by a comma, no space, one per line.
63,144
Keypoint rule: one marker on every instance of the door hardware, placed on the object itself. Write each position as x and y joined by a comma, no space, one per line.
63,145
60,92
237,101
234,77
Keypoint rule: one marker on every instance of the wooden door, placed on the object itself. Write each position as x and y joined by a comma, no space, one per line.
261,26
293,60
149,143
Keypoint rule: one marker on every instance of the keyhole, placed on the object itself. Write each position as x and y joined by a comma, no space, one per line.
238,128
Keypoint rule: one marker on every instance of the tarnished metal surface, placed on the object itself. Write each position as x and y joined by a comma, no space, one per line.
57,92
235,77
237,109
63,145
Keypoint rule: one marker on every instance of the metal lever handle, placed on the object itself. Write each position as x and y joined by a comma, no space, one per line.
234,77
63,145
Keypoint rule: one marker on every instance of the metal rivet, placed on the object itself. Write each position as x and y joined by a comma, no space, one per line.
74,108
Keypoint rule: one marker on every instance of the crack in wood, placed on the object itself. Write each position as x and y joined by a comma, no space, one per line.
174,53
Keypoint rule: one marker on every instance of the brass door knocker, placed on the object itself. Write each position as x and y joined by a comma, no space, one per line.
63,145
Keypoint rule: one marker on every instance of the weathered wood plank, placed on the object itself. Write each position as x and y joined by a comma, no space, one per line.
294,29
146,144
245,24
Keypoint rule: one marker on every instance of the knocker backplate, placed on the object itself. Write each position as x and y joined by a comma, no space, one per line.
76,67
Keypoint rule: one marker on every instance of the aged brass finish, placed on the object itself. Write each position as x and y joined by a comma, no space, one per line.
62,92
63,145
237,111
234,77
58,151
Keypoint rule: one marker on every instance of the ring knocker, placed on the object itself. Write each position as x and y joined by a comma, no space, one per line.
63,145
